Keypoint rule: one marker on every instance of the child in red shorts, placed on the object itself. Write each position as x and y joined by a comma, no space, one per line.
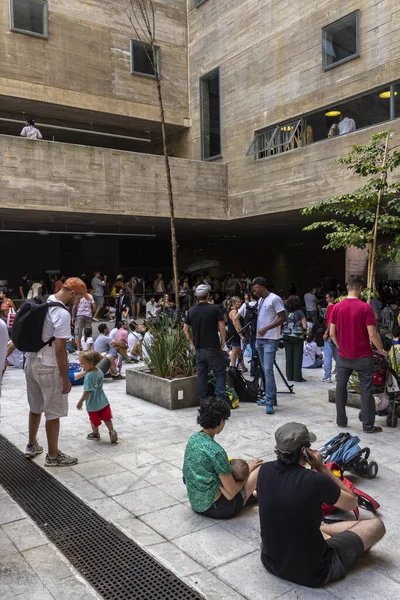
97,404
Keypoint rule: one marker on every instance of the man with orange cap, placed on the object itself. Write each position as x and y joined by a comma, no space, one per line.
46,374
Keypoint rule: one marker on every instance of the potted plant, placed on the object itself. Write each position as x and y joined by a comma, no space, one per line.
168,378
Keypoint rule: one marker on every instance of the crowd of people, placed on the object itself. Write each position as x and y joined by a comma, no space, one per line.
315,329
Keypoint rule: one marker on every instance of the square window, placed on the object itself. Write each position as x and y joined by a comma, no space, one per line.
30,17
340,41
142,59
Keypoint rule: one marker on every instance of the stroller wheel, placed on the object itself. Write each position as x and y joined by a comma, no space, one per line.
391,421
372,470
361,467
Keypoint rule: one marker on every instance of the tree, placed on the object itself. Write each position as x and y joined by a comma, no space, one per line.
369,217
141,16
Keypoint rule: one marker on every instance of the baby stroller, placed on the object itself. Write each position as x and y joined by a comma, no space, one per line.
386,389
345,451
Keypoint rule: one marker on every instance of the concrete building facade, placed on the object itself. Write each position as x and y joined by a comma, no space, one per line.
249,87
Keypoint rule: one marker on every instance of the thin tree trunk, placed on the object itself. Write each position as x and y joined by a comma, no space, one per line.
371,273
169,182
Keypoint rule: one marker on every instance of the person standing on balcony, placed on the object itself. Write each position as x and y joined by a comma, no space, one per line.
347,124
30,131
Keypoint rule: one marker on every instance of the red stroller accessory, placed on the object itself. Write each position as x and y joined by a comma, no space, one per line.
364,500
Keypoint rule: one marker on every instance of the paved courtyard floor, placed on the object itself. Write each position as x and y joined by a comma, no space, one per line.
137,485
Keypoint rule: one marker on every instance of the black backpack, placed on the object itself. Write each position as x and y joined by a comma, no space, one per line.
241,386
26,333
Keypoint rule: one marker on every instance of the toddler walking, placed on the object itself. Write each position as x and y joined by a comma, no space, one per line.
97,405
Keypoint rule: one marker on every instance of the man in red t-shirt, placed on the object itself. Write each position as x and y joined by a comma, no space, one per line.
353,328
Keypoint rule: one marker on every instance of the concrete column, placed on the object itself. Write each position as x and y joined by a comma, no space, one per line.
356,262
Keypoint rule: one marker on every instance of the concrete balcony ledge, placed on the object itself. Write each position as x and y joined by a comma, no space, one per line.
43,175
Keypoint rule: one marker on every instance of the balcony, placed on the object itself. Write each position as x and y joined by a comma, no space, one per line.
49,176
297,178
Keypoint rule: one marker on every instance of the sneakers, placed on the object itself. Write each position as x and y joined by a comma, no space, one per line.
113,436
373,430
61,460
32,449
270,410
326,379
93,436
262,402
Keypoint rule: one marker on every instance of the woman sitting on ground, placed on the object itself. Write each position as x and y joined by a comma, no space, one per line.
87,339
211,486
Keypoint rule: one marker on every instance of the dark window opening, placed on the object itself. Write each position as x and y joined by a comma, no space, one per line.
340,41
345,117
210,100
30,17
142,61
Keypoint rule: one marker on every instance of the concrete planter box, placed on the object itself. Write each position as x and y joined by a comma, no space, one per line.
353,400
168,393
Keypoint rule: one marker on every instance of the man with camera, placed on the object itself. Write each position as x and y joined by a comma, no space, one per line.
294,544
271,315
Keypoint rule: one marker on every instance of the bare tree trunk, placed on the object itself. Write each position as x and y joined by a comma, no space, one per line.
371,264
170,192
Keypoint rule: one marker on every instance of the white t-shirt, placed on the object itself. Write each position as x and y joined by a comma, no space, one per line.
268,309
112,333
58,324
84,344
310,353
347,125
34,291
133,338
148,338
31,132
151,309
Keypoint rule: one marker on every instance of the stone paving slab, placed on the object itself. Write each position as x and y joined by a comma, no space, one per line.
136,484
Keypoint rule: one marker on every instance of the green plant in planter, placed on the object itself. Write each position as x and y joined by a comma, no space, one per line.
170,354
354,383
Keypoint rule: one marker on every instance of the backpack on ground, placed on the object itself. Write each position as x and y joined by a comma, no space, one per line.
230,393
242,386
27,329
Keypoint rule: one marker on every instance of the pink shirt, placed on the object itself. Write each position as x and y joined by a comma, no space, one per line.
121,335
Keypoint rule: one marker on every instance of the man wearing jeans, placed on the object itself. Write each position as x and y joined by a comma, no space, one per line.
271,315
352,329
203,324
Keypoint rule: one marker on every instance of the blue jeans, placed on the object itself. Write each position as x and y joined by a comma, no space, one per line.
214,359
267,351
330,351
316,365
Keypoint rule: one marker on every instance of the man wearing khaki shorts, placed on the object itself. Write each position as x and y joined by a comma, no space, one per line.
46,375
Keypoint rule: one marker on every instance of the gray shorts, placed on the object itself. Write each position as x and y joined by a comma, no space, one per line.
344,549
81,323
99,301
44,385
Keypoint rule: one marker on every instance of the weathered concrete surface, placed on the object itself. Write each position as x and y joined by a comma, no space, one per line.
168,393
43,175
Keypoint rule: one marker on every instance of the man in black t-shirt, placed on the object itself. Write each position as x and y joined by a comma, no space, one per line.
202,325
295,546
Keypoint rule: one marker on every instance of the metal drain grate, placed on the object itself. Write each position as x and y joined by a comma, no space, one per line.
114,565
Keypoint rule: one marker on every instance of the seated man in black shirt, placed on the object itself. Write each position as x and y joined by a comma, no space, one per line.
202,325
295,545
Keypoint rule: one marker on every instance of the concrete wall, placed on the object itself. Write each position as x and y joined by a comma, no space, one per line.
270,57
298,178
85,63
43,175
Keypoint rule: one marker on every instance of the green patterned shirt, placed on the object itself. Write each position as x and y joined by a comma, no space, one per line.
205,460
